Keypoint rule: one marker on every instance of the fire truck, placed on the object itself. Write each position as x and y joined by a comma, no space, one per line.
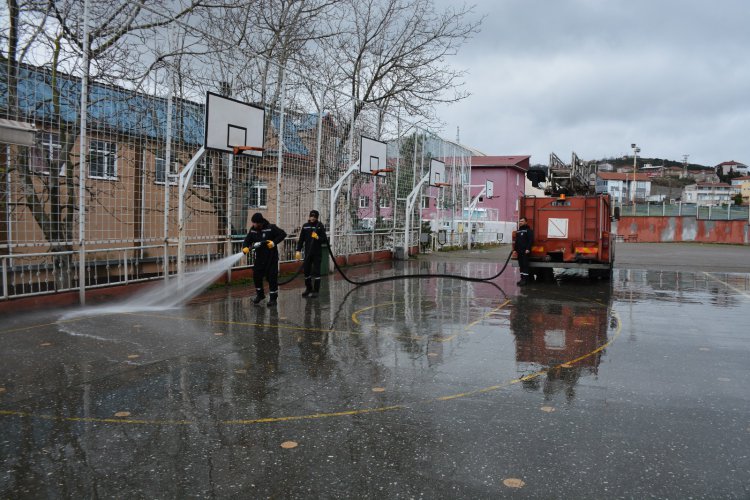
571,223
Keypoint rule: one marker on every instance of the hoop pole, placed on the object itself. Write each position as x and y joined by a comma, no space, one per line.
472,206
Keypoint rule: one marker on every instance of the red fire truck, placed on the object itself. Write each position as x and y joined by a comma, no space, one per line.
572,224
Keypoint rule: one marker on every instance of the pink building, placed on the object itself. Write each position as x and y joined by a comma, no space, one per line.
508,173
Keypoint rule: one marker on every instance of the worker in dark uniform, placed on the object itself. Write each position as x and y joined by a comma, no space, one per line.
524,240
311,236
263,238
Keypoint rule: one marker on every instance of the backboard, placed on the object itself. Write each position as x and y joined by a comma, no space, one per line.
231,123
372,156
437,173
489,189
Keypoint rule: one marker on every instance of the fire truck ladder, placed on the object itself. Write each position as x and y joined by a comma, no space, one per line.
577,178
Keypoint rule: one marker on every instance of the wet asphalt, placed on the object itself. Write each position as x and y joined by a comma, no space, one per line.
637,387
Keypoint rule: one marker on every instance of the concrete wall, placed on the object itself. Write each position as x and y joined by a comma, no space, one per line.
688,229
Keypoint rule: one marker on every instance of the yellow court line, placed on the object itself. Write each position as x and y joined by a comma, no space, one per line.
492,311
362,411
741,292
356,313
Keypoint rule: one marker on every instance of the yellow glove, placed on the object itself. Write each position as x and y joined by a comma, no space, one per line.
246,250
315,235
298,255
270,244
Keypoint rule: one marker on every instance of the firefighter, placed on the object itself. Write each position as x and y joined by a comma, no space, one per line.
312,236
524,239
263,238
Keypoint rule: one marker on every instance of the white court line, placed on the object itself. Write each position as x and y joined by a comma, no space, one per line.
741,292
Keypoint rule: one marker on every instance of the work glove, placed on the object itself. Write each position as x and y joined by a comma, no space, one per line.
270,244
245,250
257,244
298,255
314,235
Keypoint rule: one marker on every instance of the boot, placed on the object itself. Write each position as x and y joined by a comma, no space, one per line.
259,295
272,300
308,287
316,287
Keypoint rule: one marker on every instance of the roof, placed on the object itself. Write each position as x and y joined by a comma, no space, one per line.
731,164
499,161
621,176
742,178
712,184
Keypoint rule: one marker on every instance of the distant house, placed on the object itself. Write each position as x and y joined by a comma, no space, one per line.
743,184
733,166
620,186
709,193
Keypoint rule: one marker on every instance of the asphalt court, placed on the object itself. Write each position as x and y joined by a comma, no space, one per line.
437,387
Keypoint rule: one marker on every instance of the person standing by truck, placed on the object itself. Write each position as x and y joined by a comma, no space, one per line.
263,238
524,240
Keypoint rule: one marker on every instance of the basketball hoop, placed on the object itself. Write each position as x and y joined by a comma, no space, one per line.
441,184
237,149
382,170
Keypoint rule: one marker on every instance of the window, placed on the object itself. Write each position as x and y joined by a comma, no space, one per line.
259,195
103,160
518,178
425,202
516,204
364,201
161,164
45,154
202,174
383,202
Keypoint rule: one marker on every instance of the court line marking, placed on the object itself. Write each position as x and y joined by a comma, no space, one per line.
313,416
741,292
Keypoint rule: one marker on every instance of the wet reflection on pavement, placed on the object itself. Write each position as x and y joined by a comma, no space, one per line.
437,387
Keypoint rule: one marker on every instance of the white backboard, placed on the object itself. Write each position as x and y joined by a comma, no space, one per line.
372,156
231,123
437,173
489,189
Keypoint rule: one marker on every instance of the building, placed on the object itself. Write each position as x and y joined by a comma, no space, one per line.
743,184
709,193
732,166
619,185
508,174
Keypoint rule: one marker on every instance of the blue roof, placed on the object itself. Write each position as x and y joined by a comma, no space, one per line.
110,108
128,112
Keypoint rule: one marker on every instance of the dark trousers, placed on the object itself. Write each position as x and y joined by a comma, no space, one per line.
523,264
270,271
312,265
311,268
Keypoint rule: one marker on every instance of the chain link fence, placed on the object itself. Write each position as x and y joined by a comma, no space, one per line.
80,211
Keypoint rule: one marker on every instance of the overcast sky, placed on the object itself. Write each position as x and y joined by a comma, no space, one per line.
594,76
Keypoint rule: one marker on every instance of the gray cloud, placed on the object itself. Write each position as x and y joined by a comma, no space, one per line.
595,75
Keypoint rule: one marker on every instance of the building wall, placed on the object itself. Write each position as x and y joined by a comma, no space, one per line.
509,187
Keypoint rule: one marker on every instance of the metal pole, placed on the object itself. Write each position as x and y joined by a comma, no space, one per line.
167,168
230,202
280,157
319,149
82,161
8,195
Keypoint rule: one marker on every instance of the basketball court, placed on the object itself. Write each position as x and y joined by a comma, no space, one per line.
439,387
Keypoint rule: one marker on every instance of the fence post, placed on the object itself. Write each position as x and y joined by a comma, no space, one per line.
168,166
82,162
709,212
125,265
663,208
5,278
729,212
